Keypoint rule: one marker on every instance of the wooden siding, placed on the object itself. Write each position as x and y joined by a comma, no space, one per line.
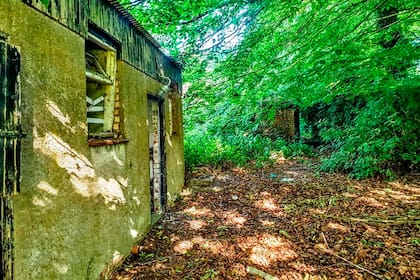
70,13
138,48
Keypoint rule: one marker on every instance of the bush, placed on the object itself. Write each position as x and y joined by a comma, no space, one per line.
203,149
383,136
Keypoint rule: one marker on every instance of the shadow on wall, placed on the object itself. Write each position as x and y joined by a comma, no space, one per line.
85,179
83,176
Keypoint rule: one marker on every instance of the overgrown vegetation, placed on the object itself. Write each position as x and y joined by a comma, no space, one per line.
352,67
228,150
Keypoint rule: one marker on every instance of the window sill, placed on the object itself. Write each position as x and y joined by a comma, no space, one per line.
106,142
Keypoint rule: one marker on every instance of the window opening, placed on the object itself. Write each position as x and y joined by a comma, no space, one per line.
101,68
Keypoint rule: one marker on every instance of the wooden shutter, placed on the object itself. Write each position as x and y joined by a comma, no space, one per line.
10,134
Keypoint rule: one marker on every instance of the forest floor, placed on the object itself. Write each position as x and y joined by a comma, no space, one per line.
284,222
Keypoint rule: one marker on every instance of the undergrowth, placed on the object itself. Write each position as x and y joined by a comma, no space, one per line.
203,149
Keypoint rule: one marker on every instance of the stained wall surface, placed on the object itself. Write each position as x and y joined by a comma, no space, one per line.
79,206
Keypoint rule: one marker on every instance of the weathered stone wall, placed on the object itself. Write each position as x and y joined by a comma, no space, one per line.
79,205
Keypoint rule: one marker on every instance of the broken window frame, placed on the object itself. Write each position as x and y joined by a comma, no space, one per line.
100,107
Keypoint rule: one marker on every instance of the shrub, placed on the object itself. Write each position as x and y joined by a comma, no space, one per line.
384,135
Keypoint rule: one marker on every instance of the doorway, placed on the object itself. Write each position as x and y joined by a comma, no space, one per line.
157,166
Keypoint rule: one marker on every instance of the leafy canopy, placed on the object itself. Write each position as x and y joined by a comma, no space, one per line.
355,63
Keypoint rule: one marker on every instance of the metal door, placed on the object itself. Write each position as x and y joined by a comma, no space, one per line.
10,134
156,155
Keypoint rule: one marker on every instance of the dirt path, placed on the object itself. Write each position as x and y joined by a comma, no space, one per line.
288,222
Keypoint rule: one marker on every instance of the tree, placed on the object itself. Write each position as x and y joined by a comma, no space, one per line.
246,58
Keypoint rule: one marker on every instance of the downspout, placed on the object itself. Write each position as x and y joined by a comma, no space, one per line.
165,88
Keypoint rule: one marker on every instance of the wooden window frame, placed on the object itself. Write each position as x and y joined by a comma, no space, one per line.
102,92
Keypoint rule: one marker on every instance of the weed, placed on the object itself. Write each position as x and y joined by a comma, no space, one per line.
221,230
290,208
146,256
390,261
350,189
415,241
321,202
376,244
210,274
284,233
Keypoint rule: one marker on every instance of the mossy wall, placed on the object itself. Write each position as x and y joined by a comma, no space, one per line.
79,206
174,145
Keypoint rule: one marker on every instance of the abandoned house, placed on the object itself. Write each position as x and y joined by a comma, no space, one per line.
286,121
92,136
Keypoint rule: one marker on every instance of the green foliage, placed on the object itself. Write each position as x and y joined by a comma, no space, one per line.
202,148
385,133
45,2
352,67
210,274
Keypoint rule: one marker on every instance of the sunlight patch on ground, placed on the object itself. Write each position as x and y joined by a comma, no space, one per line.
183,246
267,223
239,170
159,266
198,240
317,211
338,227
415,188
271,205
268,249
197,224
397,195
369,230
234,218
370,201
216,247
199,212
289,275
267,204
292,173
349,195
223,177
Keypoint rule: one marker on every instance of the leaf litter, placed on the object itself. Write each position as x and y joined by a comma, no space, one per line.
283,222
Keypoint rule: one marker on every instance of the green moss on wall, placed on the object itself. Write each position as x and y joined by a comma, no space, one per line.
79,206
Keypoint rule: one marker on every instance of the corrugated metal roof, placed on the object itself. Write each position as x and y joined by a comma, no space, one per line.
126,14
